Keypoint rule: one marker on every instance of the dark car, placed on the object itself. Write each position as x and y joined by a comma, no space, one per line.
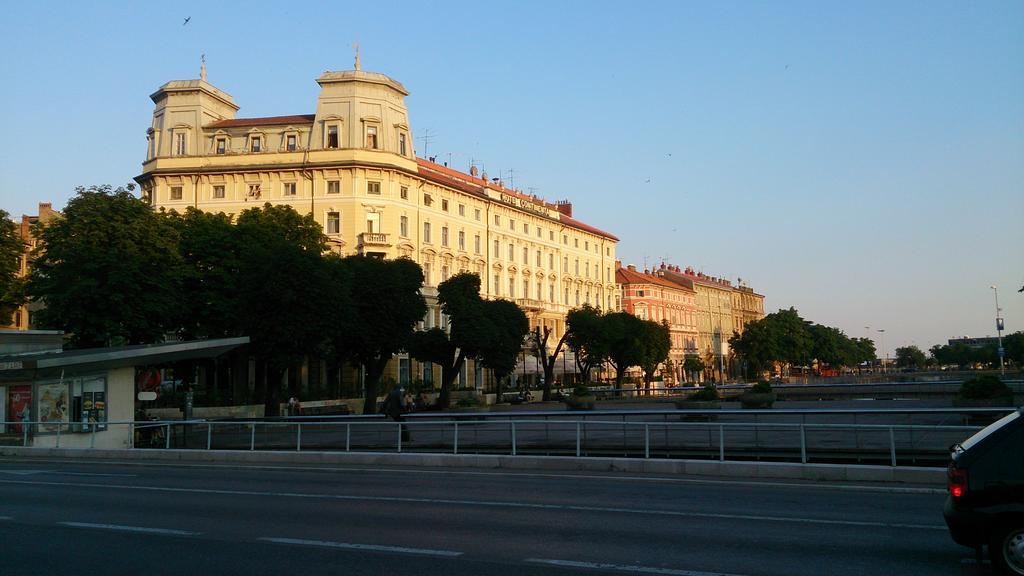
985,505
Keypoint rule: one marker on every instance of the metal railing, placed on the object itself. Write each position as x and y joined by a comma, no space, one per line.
690,434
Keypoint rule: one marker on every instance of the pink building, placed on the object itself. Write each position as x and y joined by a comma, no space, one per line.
649,297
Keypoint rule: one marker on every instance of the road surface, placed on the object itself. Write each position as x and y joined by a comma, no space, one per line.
79,517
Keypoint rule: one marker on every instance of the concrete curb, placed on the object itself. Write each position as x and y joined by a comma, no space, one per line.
760,470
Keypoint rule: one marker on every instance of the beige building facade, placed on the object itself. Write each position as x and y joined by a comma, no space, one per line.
352,166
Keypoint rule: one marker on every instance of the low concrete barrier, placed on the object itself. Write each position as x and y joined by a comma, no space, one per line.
696,468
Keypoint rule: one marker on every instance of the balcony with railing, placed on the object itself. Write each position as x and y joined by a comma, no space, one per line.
374,239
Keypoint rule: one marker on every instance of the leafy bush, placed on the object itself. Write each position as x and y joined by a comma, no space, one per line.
762,387
985,387
707,392
581,390
468,402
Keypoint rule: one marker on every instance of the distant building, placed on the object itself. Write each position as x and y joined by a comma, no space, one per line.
352,166
22,317
650,297
975,342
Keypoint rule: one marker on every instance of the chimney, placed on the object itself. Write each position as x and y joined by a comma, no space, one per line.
564,207
631,268
618,264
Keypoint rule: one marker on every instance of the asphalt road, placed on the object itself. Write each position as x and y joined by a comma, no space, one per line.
121,518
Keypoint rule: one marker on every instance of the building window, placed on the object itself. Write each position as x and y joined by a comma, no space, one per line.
497,220
401,143
218,191
403,192
476,244
577,264
373,187
428,279
526,287
551,293
334,222
511,253
427,200
565,264
540,290
586,246
462,209
462,240
444,276
576,242
428,373
526,256
511,287
371,137
334,186
444,236
444,205
175,192
289,188
180,143
538,258
255,144
403,226
497,284
551,235
511,224
373,222
526,228
551,262
290,142
426,232
222,145
540,233
608,251
476,214
255,190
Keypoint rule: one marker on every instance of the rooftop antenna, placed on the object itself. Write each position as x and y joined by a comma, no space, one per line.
532,190
512,178
202,68
427,138
359,65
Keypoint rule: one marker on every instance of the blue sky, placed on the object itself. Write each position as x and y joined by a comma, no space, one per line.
860,161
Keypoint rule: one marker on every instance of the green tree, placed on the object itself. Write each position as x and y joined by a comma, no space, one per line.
109,271
468,328
374,316
623,334
12,288
586,338
1014,347
909,357
212,256
693,365
539,339
283,283
655,343
781,336
508,326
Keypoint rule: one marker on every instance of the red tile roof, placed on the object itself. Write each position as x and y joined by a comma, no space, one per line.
467,183
267,121
627,276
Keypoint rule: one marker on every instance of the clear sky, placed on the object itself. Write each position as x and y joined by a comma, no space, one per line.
860,161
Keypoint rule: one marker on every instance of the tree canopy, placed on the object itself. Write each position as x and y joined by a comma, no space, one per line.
109,270
910,357
11,285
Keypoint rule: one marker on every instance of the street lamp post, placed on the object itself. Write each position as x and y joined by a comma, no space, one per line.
999,331
884,351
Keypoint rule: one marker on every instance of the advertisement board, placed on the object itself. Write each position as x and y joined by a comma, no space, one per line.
19,406
53,405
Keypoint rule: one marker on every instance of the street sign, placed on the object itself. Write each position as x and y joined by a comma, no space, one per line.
999,324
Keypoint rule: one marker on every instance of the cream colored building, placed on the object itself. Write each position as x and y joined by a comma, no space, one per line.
714,316
351,164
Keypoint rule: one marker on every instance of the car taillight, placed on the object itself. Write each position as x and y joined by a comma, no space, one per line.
957,482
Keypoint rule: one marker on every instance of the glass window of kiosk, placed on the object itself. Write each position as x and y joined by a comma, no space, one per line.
89,403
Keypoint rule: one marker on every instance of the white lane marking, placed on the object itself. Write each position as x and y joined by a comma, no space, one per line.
624,568
120,528
488,503
823,485
62,473
370,547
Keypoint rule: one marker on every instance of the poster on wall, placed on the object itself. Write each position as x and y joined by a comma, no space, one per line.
53,405
100,410
19,406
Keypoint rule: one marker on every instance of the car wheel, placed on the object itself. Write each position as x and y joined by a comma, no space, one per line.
1007,550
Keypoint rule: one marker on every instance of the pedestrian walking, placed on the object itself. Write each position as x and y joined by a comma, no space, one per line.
395,407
